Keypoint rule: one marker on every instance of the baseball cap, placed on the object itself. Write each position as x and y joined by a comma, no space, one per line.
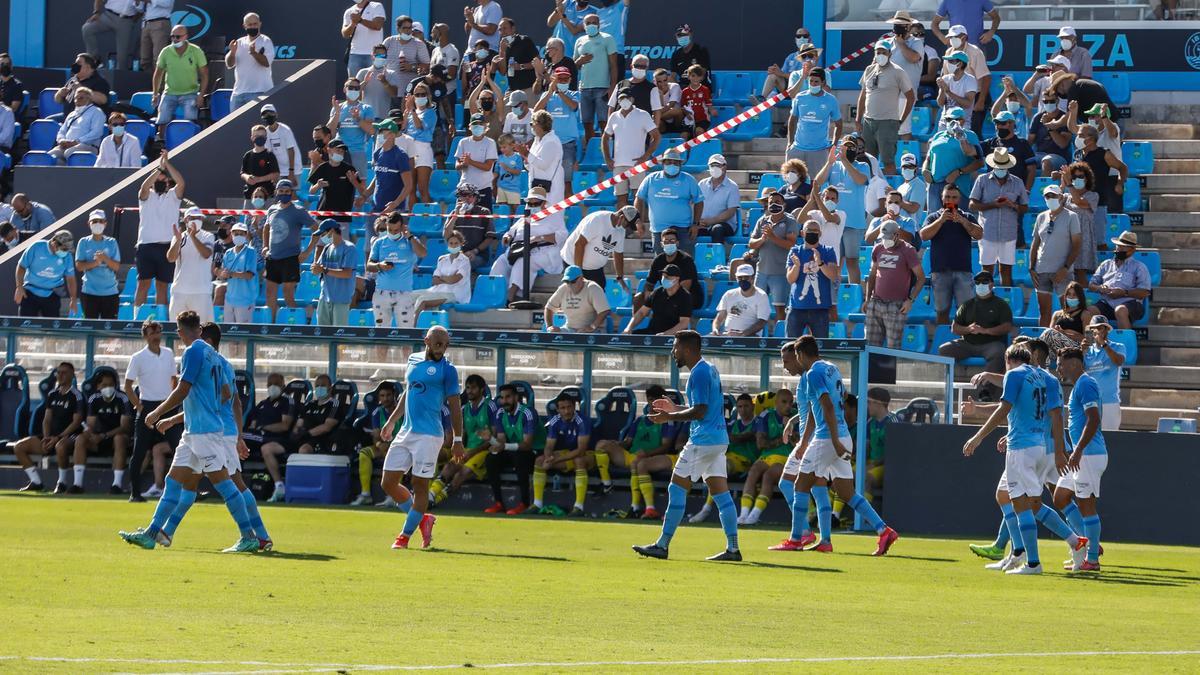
267,107
1099,320
629,212
562,71
671,271
388,124
1066,31
536,194
329,224
983,277
889,227
478,117
1059,60
193,212
885,45
284,183
672,155
1052,189
98,214
745,271
517,96
908,159
879,394
1005,116
956,30
954,113
239,226
336,143
417,26
718,159
572,273
961,57
64,239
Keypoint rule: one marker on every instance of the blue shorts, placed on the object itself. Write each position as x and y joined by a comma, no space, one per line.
593,102
776,287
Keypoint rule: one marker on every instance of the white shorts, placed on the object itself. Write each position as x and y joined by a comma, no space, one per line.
1022,472
1047,469
417,453
1110,417
422,154
200,303
1086,481
202,453
233,463
823,461
992,252
698,462
792,466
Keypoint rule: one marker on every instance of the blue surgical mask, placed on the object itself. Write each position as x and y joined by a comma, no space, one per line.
380,61
1000,173
670,249
239,240
668,282
477,130
1072,302
908,174
118,130
327,239
684,40
481,54
671,170
284,199
395,236
320,392
1078,183
983,290
336,157
453,249
62,254
592,29
422,101
258,202
562,86
801,42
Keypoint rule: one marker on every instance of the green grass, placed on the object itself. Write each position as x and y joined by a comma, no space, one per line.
520,591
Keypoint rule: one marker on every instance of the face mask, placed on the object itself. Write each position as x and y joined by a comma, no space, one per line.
477,130
639,73
274,391
851,155
6,70
352,95
1048,107
481,54
955,66
108,392
422,101
195,223
487,103
327,240
745,284
1000,173
775,208
239,240
336,157
716,171
320,392
118,130
453,249
252,32
1013,107
831,204
908,174
260,141
892,208
1067,44
670,249
75,68
1072,302
177,42
667,282
625,104
815,89
405,37
881,59
160,186
811,238
889,242
1079,142
791,177
395,236
983,290
1119,255
62,254
671,170
956,42
258,202
562,86
1004,133
284,199
1078,183
97,228
591,29
684,40
914,43
380,61
801,42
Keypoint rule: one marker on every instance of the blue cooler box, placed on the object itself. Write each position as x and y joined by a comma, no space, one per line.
317,479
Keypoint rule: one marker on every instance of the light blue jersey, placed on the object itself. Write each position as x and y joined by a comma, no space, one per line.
1054,400
1085,395
427,386
202,407
704,388
1025,389
825,378
1100,366
227,380
802,405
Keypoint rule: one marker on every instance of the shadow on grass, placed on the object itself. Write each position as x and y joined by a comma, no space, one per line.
1107,578
514,556
280,555
903,557
798,568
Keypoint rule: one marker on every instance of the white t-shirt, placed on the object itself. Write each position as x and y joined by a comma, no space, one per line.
480,150
482,16
674,94
877,189
249,75
448,57
961,87
603,240
157,217
519,127
629,134
193,272
742,312
449,265
152,373
831,235
279,141
364,39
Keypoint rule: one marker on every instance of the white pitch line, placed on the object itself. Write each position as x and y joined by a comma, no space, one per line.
277,668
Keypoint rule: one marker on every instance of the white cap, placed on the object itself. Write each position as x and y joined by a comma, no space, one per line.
193,212
1060,60
744,271
908,159
717,158
1066,31
267,107
957,29
418,26
239,226
98,214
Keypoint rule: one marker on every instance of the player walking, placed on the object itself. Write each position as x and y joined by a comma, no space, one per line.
704,455
1088,459
430,382
801,536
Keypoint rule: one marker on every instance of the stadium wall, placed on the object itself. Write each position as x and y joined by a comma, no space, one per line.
932,489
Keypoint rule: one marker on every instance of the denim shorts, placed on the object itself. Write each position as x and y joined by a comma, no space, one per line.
776,287
593,102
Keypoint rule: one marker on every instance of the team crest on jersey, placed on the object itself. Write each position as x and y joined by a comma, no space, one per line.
431,370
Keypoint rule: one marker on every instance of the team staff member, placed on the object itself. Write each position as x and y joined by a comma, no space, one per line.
517,439
63,418
317,420
642,439
43,268
108,425
149,380
568,437
267,427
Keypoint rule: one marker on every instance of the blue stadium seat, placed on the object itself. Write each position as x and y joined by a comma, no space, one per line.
502,225
922,309
1132,199
47,106
941,335
143,312
5,161
707,257
178,132
491,292
730,87
697,157
619,299
1138,156
309,288
923,122
1037,202
442,183
593,158
37,158
14,402
426,225
453,150
837,331
144,101
1013,296
1117,84
903,147
849,300
291,316
43,134
710,306
769,180
1128,338
219,103
82,159
1153,262
362,317
125,311
141,129
261,315
915,339
434,249
1020,270
430,318
859,332
585,179
758,126
129,288
703,326
1117,223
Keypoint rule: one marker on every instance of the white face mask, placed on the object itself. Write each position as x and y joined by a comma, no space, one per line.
881,59
239,240
1067,44
831,205
791,177
274,391
889,242
352,95
893,208
639,73
1052,203
1013,107
625,104
956,42
1047,107
97,228
955,66
716,171
908,174
108,392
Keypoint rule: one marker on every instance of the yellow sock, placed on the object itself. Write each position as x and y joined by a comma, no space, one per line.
708,501
747,502
580,487
635,491
760,502
365,457
539,486
602,462
646,483
438,490
838,505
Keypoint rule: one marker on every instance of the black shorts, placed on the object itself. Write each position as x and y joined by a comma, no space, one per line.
152,263
99,306
283,270
255,442
596,275
1137,309
320,445
34,305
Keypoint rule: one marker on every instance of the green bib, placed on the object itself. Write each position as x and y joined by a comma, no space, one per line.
646,435
774,430
749,449
514,431
475,420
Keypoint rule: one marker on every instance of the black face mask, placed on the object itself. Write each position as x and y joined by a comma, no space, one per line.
486,103
1121,255
269,119
6,70
252,32
1003,133
75,68
160,186
222,234
319,143
775,208
811,238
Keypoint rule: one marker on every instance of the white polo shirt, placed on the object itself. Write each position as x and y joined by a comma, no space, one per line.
249,75
152,373
629,135
157,217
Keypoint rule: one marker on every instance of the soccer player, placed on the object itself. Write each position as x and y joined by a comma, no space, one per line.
829,451
743,448
62,419
374,448
568,436
801,536
704,455
1077,492
430,382
765,473
107,429
517,439
641,440
202,391
479,416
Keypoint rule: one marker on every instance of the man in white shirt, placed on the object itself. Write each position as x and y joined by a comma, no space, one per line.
598,238
158,216
483,23
665,102
119,150
634,138
744,310
282,142
446,55
191,251
250,57
582,303
362,25
149,380
545,239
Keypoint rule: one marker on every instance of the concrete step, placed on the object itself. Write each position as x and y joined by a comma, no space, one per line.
1171,220
1146,419
1145,132
1182,278
1178,259
1179,356
1165,107
1174,202
1177,296
1164,398
1174,336
496,319
1174,166
1177,316
759,145
1170,240
1168,183
757,162
1180,377
1176,149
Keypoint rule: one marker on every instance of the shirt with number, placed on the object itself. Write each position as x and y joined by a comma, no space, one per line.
427,386
202,372
1026,390
824,378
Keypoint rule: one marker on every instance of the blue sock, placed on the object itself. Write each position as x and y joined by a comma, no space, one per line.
186,499
676,497
1054,522
1074,517
800,516
868,512
406,505
820,495
256,521
1091,529
1002,536
1014,528
166,505
1029,537
236,505
728,514
787,488
412,520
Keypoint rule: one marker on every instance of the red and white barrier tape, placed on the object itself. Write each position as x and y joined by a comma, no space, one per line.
335,214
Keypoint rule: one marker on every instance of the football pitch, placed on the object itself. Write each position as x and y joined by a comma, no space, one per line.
552,595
